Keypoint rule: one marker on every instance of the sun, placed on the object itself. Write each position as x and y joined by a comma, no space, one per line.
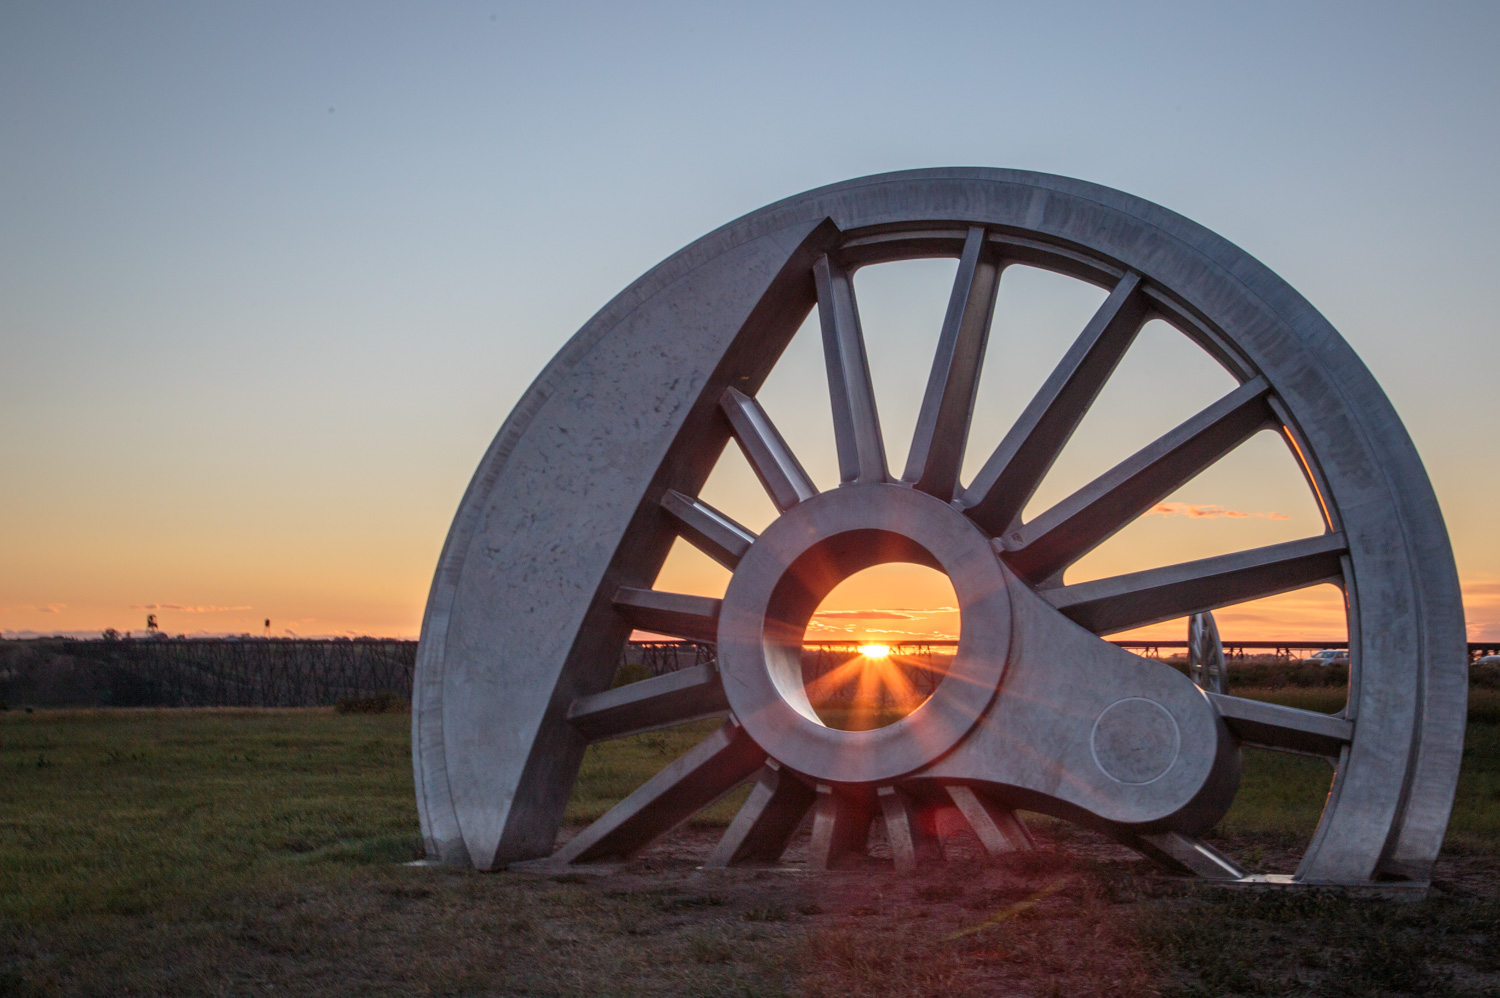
875,651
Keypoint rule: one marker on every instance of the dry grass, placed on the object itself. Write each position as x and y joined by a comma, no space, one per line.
258,852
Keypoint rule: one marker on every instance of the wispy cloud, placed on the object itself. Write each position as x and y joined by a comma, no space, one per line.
34,608
817,628
865,615
14,635
1199,511
919,635
887,613
184,608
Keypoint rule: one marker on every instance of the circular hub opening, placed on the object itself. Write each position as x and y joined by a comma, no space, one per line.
878,645
788,574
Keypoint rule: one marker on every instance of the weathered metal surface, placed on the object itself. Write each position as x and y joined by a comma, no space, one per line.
572,511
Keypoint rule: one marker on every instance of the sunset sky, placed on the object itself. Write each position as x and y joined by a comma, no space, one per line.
272,274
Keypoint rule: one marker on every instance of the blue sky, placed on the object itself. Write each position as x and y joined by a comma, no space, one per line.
271,275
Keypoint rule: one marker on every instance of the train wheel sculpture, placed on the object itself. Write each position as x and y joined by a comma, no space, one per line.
550,559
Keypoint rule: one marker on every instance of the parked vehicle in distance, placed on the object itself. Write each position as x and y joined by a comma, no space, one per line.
1328,656
1487,660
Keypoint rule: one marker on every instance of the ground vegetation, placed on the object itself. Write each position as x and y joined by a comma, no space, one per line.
237,852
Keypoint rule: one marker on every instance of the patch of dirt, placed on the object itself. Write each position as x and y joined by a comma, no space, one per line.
1079,916
1082,915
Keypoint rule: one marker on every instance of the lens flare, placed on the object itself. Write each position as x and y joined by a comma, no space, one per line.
875,651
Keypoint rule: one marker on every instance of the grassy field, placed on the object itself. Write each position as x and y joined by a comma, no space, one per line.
259,852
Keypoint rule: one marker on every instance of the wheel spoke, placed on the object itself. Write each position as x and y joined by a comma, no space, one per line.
685,695
773,461
1009,478
763,826
910,839
856,424
708,771
1187,855
708,530
1046,546
1289,729
997,828
841,826
695,618
937,447
1121,602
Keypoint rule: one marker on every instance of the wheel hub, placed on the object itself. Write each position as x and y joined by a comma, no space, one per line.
790,569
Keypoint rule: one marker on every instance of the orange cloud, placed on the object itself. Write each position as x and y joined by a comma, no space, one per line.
181,608
865,614
916,635
817,628
1198,511
892,613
